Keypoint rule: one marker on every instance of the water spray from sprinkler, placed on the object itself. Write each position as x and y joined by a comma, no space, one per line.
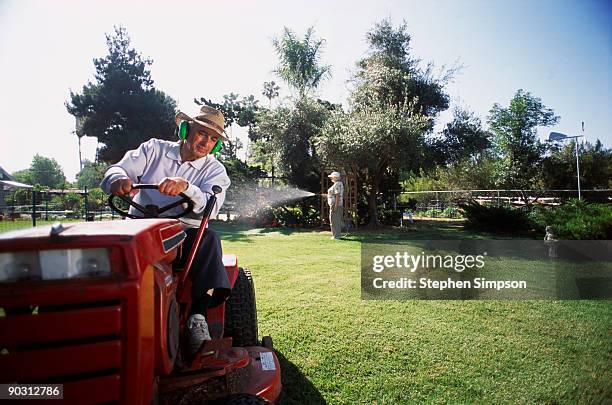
250,198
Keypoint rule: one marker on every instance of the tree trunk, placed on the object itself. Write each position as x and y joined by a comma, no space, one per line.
525,197
373,209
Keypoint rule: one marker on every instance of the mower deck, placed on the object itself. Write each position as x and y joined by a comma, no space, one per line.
253,370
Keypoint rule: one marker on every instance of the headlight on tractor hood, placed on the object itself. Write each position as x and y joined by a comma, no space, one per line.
54,264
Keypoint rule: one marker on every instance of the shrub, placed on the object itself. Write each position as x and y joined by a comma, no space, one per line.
495,219
288,216
451,212
448,212
389,217
575,220
264,218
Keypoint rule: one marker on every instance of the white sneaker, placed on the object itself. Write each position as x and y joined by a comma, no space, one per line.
198,332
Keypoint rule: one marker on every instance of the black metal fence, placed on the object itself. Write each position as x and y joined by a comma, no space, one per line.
24,208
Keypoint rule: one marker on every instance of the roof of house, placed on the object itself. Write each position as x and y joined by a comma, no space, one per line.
4,175
11,184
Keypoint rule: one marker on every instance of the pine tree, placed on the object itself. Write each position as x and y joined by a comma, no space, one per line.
122,108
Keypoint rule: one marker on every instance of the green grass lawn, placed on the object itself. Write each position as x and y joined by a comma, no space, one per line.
335,347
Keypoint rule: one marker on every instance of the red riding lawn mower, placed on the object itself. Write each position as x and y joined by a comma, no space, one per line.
98,308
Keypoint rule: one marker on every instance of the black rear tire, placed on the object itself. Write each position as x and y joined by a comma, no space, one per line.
241,311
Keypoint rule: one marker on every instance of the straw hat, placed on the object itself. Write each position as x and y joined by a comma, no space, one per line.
208,117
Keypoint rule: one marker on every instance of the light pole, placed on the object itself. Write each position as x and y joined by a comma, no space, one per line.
79,133
557,136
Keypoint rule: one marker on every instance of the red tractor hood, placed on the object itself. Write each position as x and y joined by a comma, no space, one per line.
142,241
117,228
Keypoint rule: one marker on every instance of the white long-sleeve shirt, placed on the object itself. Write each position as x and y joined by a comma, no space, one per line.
156,159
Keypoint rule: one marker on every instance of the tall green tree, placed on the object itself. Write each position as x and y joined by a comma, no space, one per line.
559,167
390,75
284,136
393,104
122,108
43,171
372,142
464,138
300,60
291,132
518,149
92,174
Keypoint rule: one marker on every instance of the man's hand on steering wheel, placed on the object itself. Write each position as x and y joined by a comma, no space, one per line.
173,186
123,187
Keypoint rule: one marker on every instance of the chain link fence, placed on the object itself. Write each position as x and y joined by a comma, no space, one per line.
24,208
444,204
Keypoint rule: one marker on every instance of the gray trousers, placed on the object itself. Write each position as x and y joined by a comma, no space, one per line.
335,220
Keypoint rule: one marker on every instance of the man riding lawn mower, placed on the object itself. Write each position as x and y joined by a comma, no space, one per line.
115,311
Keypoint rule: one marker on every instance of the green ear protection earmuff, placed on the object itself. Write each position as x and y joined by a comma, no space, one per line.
217,147
183,130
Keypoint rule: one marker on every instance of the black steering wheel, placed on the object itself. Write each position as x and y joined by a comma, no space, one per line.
150,210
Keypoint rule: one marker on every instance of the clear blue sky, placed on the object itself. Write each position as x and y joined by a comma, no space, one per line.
558,50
